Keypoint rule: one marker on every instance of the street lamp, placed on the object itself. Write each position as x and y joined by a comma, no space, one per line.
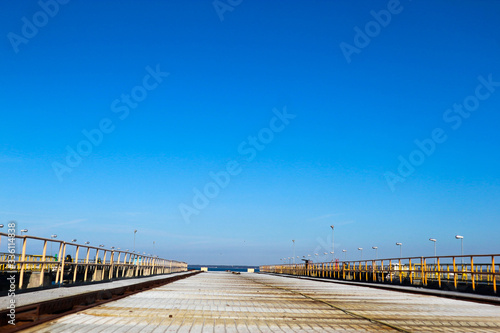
361,249
53,237
333,244
74,240
434,240
376,251
293,241
345,255
400,249
135,231
461,246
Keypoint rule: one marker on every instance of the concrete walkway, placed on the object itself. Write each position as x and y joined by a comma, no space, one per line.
225,302
28,298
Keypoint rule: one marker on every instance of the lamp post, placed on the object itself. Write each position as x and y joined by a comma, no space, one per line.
434,240
293,241
345,255
74,241
135,231
400,249
461,246
376,251
153,247
361,249
333,244
53,237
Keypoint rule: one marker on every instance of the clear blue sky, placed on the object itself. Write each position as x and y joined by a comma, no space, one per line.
334,163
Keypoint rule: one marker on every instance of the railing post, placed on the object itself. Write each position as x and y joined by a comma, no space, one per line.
94,277
400,272
411,271
23,265
382,270
75,266
120,265
136,262
86,265
63,262
493,275
60,259
439,272
472,273
42,270
112,267
103,265
455,275
423,263
390,269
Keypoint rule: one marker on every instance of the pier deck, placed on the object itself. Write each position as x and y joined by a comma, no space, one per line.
225,302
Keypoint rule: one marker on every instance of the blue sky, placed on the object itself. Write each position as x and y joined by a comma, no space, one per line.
334,161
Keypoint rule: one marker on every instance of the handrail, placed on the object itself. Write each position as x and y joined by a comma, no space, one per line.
476,273
107,263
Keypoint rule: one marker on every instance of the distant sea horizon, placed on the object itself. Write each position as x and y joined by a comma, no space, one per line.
222,268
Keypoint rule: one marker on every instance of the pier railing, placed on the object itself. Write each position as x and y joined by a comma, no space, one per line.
475,273
33,265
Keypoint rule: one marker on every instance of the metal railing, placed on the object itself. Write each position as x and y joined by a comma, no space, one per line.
95,263
476,273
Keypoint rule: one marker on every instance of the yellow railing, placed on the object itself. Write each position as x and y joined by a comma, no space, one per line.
471,272
89,263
